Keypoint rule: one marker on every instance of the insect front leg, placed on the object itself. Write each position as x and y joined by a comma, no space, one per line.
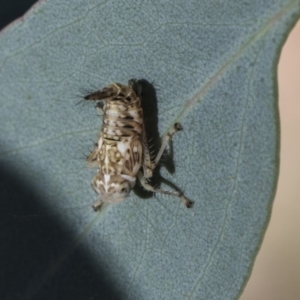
92,158
97,205
99,108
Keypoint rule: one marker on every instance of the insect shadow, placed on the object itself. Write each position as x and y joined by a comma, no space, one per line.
147,94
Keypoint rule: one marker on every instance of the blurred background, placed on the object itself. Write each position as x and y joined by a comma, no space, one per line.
276,272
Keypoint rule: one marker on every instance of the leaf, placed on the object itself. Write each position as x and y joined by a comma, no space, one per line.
214,65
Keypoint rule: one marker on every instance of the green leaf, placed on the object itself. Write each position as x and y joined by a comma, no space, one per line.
214,65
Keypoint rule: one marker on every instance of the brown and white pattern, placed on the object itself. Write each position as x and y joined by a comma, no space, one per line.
122,154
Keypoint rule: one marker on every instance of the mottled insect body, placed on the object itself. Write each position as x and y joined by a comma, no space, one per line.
121,153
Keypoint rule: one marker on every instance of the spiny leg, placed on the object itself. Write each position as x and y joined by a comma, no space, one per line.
143,180
148,166
165,140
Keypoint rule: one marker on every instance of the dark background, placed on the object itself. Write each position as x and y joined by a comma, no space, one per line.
13,9
32,262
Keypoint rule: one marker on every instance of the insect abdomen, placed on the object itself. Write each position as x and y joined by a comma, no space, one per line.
121,120
122,148
119,150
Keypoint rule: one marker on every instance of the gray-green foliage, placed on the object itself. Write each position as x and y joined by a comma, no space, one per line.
214,64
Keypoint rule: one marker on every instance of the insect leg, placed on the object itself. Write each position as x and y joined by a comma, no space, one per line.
92,158
97,205
143,180
99,108
148,166
165,140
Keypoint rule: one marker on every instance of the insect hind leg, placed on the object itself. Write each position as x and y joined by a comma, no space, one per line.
165,140
147,186
143,178
148,165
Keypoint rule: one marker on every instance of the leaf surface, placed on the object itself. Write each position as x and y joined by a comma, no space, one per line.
214,65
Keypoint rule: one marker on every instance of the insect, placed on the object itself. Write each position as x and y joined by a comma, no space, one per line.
121,154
